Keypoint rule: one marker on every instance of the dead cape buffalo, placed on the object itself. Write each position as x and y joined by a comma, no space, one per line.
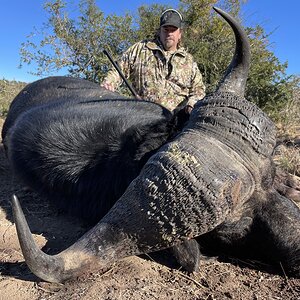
210,182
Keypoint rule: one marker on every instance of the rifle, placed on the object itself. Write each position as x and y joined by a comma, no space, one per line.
133,92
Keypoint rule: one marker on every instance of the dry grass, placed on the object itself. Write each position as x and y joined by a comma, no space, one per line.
288,152
288,159
289,124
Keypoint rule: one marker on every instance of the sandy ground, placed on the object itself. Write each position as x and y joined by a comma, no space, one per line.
155,276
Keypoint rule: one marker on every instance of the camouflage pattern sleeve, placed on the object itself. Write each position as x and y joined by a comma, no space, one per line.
197,89
113,79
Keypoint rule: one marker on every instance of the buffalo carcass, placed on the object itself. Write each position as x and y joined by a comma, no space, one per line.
212,182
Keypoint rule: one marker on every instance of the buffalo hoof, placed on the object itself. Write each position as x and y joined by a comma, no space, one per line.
188,255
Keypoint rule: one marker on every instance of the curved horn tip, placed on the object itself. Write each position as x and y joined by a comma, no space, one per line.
41,264
14,200
220,11
15,203
16,208
52,268
217,9
18,214
225,15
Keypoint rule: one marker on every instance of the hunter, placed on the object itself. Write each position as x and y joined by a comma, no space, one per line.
161,70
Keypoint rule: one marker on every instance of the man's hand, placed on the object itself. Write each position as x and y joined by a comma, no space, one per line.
108,86
188,109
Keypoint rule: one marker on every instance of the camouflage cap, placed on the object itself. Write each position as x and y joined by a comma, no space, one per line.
171,17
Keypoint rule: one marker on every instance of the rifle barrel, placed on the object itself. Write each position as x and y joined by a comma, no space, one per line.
133,92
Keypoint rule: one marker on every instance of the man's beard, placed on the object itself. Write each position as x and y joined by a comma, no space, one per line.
169,44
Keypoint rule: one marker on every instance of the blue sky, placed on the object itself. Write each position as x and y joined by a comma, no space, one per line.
19,17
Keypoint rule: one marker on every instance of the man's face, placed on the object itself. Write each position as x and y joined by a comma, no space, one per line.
169,37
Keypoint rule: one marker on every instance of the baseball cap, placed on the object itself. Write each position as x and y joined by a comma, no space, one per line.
171,17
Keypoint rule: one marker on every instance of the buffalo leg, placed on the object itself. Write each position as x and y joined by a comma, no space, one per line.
278,223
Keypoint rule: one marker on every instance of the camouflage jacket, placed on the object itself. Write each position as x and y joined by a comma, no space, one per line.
160,76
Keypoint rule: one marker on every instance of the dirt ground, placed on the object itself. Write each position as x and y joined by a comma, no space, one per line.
155,276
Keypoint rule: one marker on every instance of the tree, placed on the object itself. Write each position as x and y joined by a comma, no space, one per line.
77,43
268,85
8,91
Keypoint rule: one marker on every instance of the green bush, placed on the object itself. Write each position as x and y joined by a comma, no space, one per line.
8,90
